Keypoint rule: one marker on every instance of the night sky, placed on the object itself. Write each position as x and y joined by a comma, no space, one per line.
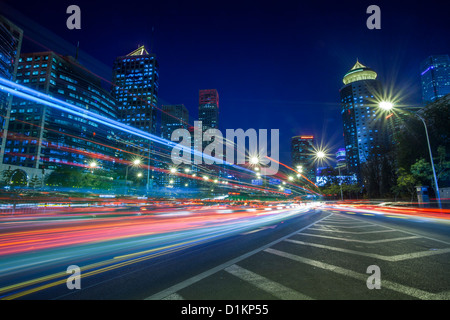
275,64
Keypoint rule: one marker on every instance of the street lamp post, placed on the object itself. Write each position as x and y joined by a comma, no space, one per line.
134,163
432,162
388,106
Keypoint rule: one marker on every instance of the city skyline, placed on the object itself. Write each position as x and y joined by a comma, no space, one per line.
322,174
282,69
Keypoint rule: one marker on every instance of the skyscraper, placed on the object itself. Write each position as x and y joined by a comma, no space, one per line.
364,134
173,117
10,44
341,159
41,137
435,77
208,109
135,88
302,154
208,114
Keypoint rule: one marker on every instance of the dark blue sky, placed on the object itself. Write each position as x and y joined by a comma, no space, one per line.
275,64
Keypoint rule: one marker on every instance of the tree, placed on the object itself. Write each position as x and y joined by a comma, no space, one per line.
442,167
7,174
422,172
35,182
406,183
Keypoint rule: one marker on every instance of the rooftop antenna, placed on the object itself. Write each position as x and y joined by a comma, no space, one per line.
151,43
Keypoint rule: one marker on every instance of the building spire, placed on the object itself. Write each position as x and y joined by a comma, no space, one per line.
139,51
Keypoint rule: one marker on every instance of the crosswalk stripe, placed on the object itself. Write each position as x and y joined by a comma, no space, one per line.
274,288
361,241
173,296
417,293
399,257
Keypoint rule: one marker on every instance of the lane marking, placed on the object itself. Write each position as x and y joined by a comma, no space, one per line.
417,293
274,288
404,231
174,296
395,258
350,227
190,281
353,232
360,241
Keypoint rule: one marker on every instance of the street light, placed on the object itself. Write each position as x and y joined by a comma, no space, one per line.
135,162
92,165
385,105
254,160
320,154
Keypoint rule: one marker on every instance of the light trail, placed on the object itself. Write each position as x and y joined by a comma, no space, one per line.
405,212
121,242
39,97
36,96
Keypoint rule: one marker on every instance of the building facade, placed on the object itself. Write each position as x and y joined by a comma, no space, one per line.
135,88
435,77
208,109
302,154
175,117
341,163
365,134
45,138
10,45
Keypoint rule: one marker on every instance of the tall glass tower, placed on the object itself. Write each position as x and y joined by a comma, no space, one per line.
135,88
208,109
363,130
302,154
41,137
435,77
10,45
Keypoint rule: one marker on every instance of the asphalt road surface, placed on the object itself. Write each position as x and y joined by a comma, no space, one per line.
320,254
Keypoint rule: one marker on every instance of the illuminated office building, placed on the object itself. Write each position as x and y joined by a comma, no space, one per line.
364,133
340,159
435,77
173,117
302,154
10,44
135,88
208,109
208,114
43,137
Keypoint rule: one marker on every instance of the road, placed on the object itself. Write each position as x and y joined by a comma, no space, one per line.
295,253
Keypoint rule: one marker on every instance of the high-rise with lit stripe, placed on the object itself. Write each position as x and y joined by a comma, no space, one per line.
435,77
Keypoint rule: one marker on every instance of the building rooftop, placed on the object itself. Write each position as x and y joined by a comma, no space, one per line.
359,72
